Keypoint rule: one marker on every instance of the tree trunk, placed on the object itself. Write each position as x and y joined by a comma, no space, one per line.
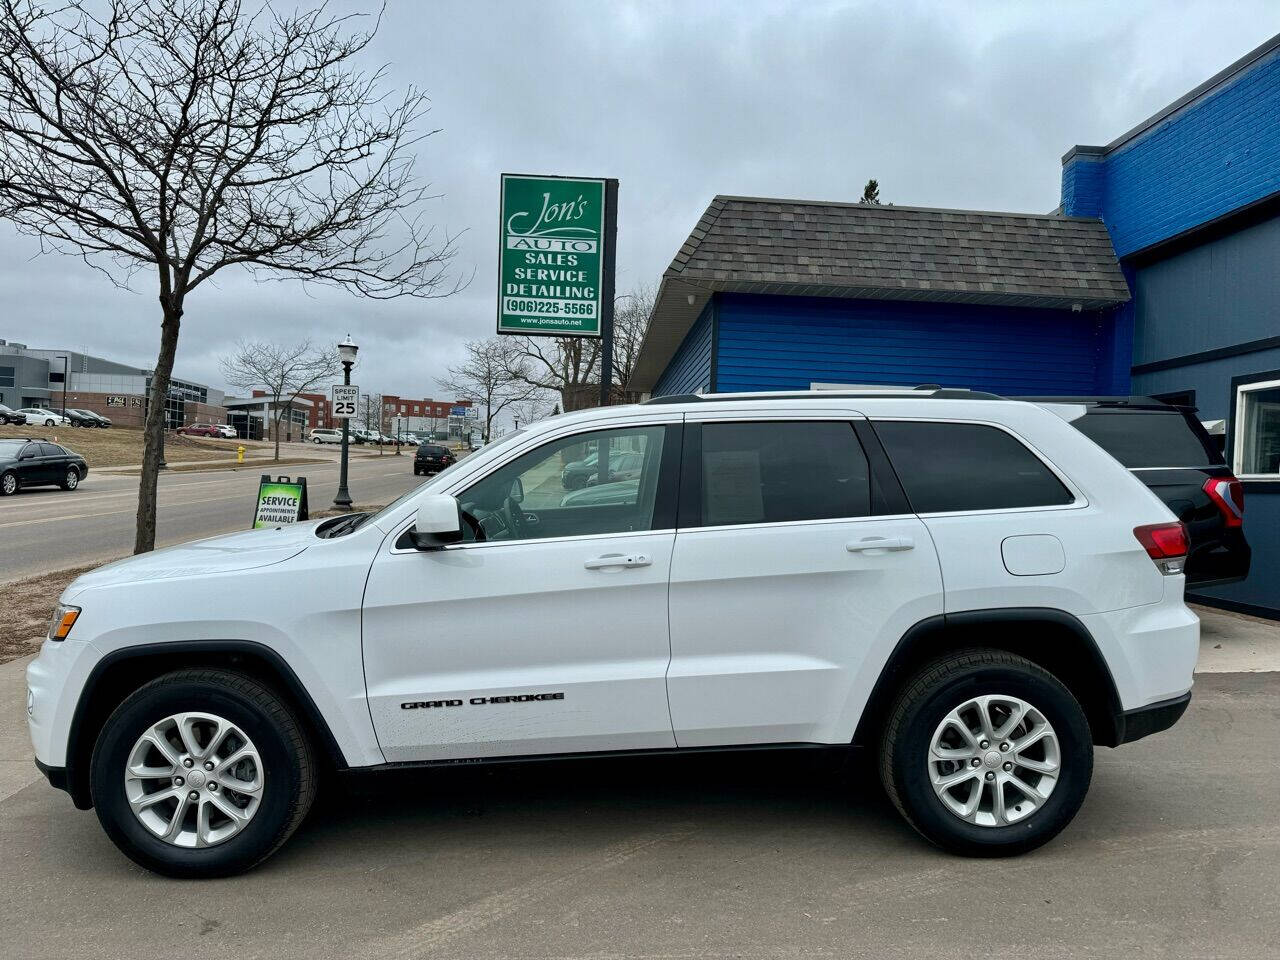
153,430
279,414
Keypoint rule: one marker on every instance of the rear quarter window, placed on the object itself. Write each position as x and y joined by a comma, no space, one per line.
962,467
1147,438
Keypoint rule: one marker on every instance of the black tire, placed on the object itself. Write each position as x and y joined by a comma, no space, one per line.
49,423
8,483
942,686
71,480
289,770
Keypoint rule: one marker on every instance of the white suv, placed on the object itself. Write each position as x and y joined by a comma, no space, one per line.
966,585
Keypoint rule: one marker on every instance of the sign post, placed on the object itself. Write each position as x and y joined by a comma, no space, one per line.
280,501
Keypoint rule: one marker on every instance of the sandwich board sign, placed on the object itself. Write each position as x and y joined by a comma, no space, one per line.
280,501
552,256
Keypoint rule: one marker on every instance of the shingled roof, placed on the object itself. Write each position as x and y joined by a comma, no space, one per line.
864,251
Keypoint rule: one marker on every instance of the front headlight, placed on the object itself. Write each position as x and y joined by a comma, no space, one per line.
64,618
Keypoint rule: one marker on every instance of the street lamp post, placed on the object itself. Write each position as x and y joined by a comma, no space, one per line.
347,354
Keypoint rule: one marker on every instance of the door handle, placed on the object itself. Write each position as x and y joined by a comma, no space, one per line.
880,543
618,560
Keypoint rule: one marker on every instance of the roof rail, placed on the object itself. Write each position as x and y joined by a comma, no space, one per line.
926,391
1134,401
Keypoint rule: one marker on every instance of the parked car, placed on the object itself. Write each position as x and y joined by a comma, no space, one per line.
227,431
79,419
8,416
325,435
38,463
963,584
94,419
476,442
623,465
41,417
364,435
201,430
602,494
432,458
1168,449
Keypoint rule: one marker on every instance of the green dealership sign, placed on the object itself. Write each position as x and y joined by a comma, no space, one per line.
550,269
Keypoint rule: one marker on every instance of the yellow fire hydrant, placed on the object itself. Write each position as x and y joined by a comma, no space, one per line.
240,454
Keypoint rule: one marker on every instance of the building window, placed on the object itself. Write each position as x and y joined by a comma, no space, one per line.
1257,430
6,376
55,377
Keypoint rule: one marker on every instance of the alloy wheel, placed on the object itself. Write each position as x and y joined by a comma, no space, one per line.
9,484
194,780
994,760
73,479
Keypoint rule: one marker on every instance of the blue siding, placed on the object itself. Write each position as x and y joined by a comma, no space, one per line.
690,369
1216,295
1211,157
787,343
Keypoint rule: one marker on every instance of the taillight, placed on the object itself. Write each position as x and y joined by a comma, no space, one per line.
1166,544
1227,494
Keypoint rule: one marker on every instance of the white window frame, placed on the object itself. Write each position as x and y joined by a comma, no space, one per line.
1237,446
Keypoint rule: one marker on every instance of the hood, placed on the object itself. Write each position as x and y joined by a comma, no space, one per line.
226,554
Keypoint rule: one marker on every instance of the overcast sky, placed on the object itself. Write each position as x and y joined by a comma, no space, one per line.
946,104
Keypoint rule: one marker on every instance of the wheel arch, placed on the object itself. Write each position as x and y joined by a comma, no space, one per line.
1053,639
123,671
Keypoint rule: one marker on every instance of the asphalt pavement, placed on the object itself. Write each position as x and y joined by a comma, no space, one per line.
1175,854
48,529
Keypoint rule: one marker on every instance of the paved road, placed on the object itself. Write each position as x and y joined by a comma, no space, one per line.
1175,854
50,529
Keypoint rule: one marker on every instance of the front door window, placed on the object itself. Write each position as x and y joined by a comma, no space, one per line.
561,490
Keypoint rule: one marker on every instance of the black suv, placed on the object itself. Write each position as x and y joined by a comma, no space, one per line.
1168,449
432,458
38,463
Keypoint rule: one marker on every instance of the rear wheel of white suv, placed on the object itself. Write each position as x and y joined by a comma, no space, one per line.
986,754
202,773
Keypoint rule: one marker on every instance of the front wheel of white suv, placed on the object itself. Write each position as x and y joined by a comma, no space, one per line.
202,773
986,754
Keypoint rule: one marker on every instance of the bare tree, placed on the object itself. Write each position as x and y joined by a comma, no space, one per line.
569,366
492,377
630,320
180,138
373,415
284,371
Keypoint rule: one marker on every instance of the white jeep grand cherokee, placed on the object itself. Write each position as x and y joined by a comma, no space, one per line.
965,584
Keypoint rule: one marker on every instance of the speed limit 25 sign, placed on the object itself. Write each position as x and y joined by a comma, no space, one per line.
344,401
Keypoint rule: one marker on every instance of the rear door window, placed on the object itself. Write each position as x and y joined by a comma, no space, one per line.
962,467
779,472
1147,438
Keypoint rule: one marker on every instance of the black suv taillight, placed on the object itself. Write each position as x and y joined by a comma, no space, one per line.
1166,544
1227,494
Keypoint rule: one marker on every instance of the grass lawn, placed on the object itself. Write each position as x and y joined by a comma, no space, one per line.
121,446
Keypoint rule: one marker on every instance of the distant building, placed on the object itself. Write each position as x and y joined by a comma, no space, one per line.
35,377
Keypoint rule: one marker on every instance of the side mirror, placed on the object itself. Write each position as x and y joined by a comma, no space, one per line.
438,523
517,491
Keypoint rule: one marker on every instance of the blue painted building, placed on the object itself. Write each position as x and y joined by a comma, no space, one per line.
1159,274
